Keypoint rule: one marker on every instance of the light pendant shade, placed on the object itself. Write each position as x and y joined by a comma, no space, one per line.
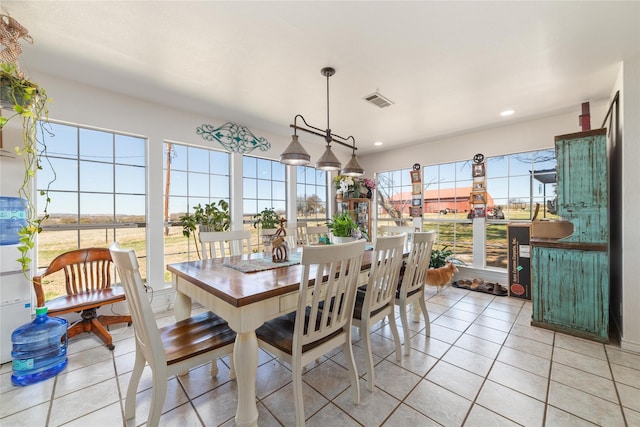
353,168
328,161
295,154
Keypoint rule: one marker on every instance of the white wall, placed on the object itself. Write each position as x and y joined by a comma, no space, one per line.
512,137
630,209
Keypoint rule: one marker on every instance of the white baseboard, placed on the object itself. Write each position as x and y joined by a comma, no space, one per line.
163,299
629,345
160,299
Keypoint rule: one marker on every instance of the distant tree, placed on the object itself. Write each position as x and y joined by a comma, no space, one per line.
384,201
314,204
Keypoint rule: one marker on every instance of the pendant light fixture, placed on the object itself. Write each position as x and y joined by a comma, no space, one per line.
295,154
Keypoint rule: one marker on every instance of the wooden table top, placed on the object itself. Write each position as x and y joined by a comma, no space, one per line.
240,289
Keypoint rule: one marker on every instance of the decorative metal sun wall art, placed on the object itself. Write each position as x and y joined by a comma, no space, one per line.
233,137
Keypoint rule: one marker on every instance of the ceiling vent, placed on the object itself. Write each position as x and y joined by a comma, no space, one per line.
378,100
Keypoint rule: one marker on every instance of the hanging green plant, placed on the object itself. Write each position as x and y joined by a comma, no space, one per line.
27,101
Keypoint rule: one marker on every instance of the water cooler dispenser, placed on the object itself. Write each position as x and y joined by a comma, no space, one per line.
15,288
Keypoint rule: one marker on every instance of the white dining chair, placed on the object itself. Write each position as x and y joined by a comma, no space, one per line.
374,301
169,350
412,281
218,244
314,232
292,237
390,230
302,234
323,318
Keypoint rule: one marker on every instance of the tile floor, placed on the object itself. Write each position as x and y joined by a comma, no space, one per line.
483,365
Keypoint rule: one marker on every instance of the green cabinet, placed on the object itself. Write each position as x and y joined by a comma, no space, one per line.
571,275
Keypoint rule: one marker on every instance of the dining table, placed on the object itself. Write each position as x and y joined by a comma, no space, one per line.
246,291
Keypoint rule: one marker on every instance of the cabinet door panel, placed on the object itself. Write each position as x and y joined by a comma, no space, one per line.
573,289
582,187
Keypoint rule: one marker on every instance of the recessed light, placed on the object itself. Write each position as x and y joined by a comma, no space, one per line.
506,113
377,143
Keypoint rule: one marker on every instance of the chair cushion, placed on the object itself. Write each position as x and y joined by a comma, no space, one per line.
357,310
195,335
85,300
402,269
408,293
279,333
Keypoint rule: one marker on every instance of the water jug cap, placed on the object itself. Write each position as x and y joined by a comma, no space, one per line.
41,310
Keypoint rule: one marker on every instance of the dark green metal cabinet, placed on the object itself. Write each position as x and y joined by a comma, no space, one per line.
571,275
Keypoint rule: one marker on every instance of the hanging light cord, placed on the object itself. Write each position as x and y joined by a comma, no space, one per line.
328,135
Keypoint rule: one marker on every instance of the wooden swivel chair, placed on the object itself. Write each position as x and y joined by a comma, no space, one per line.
170,350
88,277
329,278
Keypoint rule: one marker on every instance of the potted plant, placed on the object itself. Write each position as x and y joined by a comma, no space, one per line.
370,185
344,228
348,186
27,101
267,219
212,217
439,257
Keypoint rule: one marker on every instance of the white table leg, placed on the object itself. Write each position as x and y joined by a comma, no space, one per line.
182,311
182,307
245,358
415,311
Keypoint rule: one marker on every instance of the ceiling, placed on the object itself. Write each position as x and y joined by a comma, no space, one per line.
449,67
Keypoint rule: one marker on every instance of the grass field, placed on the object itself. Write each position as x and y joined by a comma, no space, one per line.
454,231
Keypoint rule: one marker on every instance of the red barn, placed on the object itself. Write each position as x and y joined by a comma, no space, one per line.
442,200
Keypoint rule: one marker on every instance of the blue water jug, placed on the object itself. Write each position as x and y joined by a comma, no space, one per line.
39,349
13,216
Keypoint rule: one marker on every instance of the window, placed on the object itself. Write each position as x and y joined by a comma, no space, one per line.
394,198
447,188
192,176
97,194
514,185
311,193
517,183
263,186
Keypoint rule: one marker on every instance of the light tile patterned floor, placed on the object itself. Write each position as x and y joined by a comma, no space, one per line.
484,365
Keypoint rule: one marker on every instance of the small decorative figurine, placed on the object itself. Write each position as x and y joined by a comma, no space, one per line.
280,249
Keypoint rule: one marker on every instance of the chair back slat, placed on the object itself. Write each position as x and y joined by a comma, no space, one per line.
218,244
417,263
87,269
146,330
385,269
327,290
